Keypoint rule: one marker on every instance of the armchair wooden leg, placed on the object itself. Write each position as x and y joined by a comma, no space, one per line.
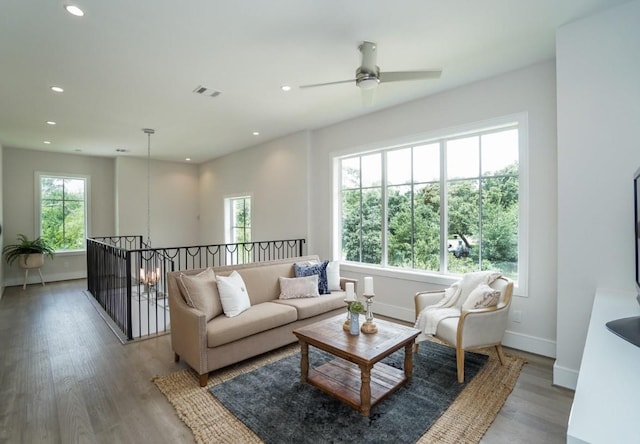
500,354
203,379
460,364
415,347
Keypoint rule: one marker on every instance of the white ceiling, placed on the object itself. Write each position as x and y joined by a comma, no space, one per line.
128,65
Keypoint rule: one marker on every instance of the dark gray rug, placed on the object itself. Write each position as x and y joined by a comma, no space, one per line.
273,403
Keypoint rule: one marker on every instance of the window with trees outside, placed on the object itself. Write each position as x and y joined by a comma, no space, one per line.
239,219
238,228
63,211
449,205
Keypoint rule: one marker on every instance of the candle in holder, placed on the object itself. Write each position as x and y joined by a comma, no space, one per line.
368,285
350,293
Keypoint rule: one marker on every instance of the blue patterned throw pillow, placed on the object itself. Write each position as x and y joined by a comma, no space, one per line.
309,270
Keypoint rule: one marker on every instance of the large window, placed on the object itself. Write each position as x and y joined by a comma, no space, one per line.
449,205
63,211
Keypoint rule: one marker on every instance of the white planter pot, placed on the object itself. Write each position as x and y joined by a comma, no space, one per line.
30,261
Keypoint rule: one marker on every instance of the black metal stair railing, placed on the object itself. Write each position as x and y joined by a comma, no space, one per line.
128,279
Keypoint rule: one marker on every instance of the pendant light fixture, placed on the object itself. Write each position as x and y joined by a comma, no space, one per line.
148,132
149,276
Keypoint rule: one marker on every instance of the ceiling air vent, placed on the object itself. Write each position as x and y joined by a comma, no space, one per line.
203,91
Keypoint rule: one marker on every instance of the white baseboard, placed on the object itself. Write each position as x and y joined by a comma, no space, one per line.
393,311
34,278
565,377
519,341
531,344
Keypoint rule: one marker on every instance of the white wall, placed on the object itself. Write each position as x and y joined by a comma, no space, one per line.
174,201
274,174
598,69
1,225
530,90
19,202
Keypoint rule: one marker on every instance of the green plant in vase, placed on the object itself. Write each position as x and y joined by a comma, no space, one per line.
357,307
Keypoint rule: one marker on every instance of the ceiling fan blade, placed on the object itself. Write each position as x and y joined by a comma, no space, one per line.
398,76
328,83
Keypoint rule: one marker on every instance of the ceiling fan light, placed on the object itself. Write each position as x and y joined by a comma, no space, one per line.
367,83
74,10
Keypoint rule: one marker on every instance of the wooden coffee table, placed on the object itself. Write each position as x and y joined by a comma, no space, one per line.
356,377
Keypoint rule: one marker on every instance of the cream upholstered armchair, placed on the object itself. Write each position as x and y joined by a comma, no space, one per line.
473,328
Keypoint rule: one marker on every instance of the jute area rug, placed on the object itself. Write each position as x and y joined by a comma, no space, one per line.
465,421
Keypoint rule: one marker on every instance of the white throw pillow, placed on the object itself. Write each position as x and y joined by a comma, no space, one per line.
481,297
233,294
333,276
470,282
201,292
302,287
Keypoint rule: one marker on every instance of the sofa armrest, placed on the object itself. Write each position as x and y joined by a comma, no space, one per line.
343,283
188,333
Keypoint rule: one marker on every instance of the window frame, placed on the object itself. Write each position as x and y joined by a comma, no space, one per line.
87,205
518,120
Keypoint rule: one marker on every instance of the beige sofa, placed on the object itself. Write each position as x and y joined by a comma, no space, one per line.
265,326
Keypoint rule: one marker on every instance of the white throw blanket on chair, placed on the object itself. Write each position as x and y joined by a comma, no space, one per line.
449,305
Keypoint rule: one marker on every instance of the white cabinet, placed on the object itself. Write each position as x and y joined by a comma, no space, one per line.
606,405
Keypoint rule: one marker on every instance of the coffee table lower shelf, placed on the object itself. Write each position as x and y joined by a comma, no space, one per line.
343,380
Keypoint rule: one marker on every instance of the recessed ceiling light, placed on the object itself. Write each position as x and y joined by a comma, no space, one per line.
57,89
285,88
188,159
74,10
256,133
50,122
46,142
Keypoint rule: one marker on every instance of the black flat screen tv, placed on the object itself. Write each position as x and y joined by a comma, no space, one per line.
629,328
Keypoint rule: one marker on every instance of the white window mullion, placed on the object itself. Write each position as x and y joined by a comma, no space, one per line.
480,188
385,209
444,228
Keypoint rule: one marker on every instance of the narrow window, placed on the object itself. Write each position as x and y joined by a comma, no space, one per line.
238,229
239,219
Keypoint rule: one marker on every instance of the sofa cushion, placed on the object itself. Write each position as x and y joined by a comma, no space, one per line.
319,269
200,291
262,280
233,294
255,319
309,307
302,287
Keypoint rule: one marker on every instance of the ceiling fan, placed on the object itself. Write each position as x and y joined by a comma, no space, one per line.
368,75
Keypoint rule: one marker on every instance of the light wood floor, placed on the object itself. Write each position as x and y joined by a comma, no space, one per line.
65,378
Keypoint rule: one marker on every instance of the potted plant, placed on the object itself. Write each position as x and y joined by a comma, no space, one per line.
29,253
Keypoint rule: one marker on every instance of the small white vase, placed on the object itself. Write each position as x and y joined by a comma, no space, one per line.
354,324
